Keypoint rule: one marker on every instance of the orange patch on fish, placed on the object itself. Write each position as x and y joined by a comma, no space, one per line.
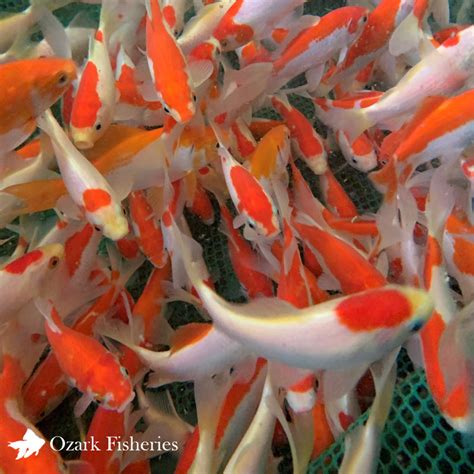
253,199
169,15
74,248
374,310
87,101
305,384
234,397
464,255
95,199
20,265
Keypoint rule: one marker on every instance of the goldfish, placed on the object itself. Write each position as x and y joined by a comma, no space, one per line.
46,78
149,234
373,40
411,311
363,444
24,276
315,44
245,20
248,195
308,143
87,186
413,87
429,138
112,387
172,80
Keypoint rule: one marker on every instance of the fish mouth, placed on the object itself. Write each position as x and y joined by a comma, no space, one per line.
83,144
82,139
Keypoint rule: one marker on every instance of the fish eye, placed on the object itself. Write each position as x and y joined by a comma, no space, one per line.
62,79
416,326
97,228
98,126
53,262
364,18
194,97
166,109
218,145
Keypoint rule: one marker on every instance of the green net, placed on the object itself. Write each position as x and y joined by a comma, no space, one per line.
416,438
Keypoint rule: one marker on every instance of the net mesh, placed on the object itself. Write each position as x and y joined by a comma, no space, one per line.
416,438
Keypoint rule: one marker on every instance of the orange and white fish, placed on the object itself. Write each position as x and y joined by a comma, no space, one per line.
244,260
414,32
292,283
110,385
200,27
31,86
362,446
48,386
446,130
288,334
147,231
188,343
237,409
96,95
234,398
329,250
315,45
245,142
430,77
455,352
335,196
251,200
167,65
254,449
132,106
86,186
360,153
251,19
307,142
21,279
374,38
453,399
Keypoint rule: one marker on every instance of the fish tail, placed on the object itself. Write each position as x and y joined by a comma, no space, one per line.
353,121
406,37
